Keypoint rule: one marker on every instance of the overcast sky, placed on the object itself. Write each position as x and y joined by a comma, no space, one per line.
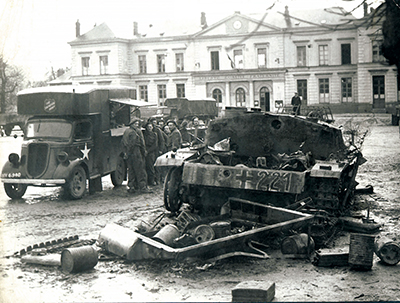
34,34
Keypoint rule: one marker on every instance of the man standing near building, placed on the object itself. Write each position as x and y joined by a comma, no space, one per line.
151,141
296,103
175,137
134,146
162,147
160,136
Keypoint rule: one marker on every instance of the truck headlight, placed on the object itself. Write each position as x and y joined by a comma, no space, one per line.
62,157
13,158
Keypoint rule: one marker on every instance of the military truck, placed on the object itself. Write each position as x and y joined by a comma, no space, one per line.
180,109
275,159
72,136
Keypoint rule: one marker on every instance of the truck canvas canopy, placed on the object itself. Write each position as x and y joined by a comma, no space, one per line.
132,102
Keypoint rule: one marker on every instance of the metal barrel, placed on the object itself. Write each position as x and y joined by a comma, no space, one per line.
167,234
361,251
387,250
78,259
221,228
118,240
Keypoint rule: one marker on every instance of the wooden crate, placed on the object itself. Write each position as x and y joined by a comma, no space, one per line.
253,291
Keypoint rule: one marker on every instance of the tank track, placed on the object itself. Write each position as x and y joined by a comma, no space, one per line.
54,246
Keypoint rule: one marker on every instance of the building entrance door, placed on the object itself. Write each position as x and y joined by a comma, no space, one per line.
378,83
264,99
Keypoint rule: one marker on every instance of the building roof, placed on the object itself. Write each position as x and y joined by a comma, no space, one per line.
332,16
65,78
99,32
184,26
76,89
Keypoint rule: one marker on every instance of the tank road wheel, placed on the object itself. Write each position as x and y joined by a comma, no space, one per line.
172,200
76,186
118,176
15,191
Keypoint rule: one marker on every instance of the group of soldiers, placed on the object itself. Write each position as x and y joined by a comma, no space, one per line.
142,144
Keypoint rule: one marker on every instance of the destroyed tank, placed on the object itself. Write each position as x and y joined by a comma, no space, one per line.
274,159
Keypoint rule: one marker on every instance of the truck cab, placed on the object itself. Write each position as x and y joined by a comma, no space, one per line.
73,136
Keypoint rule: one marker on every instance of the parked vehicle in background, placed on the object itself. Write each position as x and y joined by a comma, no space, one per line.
180,109
73,135
9,120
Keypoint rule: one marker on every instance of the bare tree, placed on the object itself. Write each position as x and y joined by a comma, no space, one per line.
12,79
391,33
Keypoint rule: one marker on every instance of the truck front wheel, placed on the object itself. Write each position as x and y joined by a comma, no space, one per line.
15,191
172,199
118,176
76,186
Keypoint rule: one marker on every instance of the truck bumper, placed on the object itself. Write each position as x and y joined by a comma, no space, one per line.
34,182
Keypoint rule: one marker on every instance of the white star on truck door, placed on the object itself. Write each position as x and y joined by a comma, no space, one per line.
85,152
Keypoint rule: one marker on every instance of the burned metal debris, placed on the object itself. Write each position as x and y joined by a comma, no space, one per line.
270,159
243,228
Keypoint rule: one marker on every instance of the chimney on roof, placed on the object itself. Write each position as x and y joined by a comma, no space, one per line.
135,29
203,21
77,28
287,17
365,9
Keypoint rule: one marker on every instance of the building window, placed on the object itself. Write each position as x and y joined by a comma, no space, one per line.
142,64
301,56
161,63
179,62
240,97
215,60
377,55
347,90
262,57
302,90
217,95
323,54
180,90
143,92
323,90
103,65
85,66
162,91
238,58
346,53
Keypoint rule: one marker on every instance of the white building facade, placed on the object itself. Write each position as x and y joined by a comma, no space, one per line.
328,56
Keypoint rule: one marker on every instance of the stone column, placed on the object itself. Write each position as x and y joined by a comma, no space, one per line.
250,103
227,94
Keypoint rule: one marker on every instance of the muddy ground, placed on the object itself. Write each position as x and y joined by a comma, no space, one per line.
43,215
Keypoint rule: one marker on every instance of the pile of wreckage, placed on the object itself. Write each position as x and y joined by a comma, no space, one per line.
260,183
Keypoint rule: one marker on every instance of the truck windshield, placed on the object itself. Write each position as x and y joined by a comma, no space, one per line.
48,129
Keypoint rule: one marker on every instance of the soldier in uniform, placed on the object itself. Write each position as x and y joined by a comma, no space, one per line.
151,141
175,137
296,103
135,149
